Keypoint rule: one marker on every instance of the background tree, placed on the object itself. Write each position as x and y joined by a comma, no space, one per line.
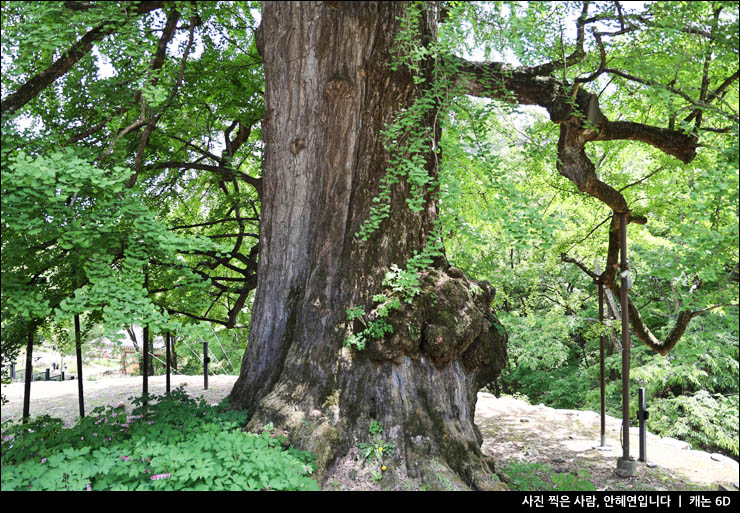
500,167
70,197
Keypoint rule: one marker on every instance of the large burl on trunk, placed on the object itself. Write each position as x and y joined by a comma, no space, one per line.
329,92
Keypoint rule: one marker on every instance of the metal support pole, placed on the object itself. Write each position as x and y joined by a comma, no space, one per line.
29,375
47,375
167,342
145,362
205,365
12,371
625,339
626,466
602,369
78,346
642,414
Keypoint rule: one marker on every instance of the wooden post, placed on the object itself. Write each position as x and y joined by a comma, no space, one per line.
29,375
167,342
78,347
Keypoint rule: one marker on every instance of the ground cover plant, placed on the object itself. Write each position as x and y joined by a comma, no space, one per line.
522,476
172,443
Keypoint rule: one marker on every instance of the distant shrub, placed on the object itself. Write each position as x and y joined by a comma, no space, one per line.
706,421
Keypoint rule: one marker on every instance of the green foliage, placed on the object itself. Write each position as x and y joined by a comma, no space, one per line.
541,478
704,420
403,282
173,443
79,236
377,450
507,216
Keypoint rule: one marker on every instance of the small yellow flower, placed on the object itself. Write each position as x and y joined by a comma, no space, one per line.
383,468
380,449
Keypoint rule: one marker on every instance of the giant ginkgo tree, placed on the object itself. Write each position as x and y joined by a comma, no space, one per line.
356,315
358,320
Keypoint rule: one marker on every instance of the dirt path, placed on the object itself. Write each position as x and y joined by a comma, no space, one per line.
511,429
565,441
59,399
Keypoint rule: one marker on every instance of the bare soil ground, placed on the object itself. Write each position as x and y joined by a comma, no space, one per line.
60,400
512,430
565,440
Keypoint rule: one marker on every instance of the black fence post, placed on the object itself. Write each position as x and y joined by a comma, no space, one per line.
145,361
12,371
642,415
78,348
602,370
47,374
167,342
206,359
29,375
145,365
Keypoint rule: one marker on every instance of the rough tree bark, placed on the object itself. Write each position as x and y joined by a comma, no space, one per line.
329,92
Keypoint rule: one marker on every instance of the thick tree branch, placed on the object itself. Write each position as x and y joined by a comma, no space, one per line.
582,121
159,57
682,322
580,118
68,59
672,142
639,328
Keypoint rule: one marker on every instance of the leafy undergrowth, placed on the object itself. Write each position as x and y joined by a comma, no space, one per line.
522,476
173,443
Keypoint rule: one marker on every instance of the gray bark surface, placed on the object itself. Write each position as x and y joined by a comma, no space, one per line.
329,93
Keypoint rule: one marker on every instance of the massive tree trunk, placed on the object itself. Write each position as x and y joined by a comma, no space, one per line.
328,94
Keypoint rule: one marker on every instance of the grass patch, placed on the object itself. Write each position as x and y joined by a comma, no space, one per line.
522,476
